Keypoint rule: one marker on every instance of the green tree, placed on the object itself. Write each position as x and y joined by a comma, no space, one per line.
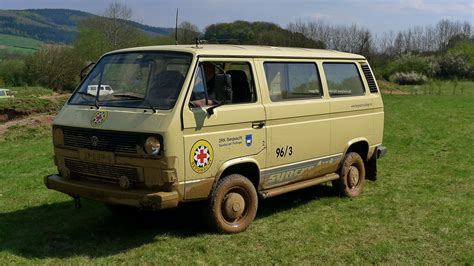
187,33
53,66
112,31
12,72
257,33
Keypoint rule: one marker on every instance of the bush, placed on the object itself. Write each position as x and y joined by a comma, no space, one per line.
12,73
452,65
408,64
410,78
55,67
30,92
465,46
26,106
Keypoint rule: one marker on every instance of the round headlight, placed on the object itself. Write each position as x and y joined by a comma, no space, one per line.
58,137
152,146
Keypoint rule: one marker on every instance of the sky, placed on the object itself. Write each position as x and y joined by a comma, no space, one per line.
379,16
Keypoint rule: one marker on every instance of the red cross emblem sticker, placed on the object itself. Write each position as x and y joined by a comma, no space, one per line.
98,118
201,156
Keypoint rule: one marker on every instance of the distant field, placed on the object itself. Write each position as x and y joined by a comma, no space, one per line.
12,44
420,211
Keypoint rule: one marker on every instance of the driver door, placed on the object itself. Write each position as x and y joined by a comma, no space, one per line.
234,130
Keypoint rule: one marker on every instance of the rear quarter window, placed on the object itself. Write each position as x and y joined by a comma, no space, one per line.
343,79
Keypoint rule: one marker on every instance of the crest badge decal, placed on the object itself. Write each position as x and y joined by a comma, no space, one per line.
201,156
99,117
248,140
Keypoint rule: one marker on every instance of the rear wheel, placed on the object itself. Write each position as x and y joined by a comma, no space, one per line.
233,204
352,176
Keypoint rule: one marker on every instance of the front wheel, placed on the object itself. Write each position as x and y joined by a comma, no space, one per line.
233,204
352,176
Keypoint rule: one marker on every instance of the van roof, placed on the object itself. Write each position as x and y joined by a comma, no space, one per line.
226,50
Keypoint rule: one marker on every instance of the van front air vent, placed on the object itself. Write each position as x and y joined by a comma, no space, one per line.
370,78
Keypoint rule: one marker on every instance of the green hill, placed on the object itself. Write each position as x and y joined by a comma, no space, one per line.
54,25
11,46
19,42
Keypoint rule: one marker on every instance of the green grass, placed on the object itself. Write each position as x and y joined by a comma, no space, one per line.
31,91
27,101
419,211
18,44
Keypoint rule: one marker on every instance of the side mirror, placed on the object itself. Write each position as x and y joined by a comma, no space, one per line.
223,91
85,70
223,88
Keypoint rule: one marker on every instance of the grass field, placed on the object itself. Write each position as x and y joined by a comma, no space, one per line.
18,44
420,211
32,100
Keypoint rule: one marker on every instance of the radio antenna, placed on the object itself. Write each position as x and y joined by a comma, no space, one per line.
176,28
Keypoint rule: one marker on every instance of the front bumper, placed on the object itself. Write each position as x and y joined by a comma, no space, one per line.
113,195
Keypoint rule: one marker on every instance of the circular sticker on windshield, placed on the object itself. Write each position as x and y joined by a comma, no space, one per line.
99,117
201,156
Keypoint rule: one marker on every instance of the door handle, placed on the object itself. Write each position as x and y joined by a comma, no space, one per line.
258,124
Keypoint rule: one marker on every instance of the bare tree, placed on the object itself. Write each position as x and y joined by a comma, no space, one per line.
353,39
187,32
116,26
357,39
113,30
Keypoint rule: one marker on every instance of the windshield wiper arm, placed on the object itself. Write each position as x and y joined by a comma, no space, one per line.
96,103
85,93
124,95
128,96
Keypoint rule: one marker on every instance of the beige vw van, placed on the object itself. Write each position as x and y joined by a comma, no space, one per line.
227,125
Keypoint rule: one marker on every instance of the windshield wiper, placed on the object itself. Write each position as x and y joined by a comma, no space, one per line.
96,102
135,97
131,96
85,93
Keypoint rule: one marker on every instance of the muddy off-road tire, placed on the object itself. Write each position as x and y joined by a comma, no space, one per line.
233,204
352,176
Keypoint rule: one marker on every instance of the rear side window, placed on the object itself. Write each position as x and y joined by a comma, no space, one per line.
343,79
2,93
290,81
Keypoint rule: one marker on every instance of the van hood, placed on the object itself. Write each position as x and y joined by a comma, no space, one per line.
114,118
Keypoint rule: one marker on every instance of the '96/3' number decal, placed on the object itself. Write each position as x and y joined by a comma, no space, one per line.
284,151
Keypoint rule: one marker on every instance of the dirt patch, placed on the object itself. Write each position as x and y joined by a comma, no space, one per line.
30,121
6,115
56,97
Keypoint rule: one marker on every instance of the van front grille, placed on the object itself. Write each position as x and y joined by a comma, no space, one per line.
370,78
121,142
102,170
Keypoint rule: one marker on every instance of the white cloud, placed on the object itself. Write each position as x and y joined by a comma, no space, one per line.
438,7
318,15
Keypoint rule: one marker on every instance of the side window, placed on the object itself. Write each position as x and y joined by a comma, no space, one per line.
208,83
2,93
288,81
343,79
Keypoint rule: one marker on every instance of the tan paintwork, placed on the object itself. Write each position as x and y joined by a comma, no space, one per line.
318,130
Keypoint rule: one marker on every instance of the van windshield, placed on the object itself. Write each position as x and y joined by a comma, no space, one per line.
135,80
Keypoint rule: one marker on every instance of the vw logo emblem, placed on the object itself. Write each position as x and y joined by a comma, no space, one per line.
94,141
